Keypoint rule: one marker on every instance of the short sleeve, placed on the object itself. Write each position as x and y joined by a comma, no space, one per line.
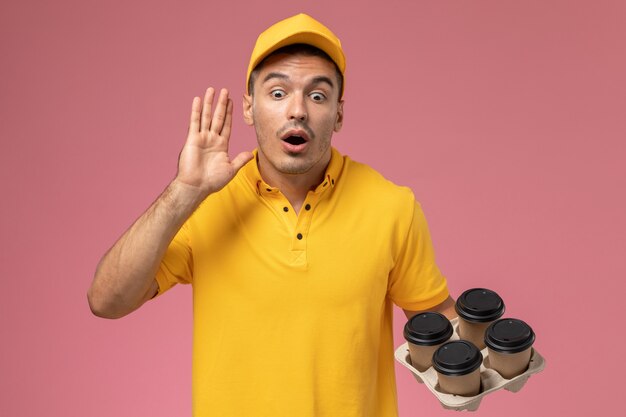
176,265
415,282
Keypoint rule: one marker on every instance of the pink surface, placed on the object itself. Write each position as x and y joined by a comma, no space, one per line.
505,117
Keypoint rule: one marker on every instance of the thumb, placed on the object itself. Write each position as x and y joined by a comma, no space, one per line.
241,159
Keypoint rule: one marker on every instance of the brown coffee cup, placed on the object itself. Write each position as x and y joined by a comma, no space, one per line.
509,342
425,332
458,368
477,309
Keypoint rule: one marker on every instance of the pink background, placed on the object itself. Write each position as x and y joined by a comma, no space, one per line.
505,117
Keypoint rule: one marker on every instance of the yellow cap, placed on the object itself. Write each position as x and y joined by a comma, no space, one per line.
300,28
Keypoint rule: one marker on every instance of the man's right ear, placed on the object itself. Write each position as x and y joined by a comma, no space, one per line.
247,110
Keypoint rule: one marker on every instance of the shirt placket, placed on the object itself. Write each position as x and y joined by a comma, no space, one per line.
298,226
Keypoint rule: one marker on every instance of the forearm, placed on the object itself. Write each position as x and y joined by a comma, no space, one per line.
125,276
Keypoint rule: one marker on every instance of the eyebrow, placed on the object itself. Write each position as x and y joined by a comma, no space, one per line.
272,75
323,79
316,80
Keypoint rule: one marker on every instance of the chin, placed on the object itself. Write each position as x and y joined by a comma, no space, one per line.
294,170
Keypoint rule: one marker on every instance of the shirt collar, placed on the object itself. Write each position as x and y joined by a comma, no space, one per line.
331,176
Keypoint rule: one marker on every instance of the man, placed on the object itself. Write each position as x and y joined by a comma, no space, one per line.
295,253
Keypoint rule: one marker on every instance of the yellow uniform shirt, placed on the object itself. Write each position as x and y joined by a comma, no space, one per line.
293,313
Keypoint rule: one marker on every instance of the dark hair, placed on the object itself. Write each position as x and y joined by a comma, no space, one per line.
294,49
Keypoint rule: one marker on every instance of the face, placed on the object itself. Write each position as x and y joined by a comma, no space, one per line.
294,110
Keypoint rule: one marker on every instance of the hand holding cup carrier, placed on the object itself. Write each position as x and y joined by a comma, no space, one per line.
457,362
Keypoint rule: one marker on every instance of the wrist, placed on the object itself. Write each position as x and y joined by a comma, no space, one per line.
183,197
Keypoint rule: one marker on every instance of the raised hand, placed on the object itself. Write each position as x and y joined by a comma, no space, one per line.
204,162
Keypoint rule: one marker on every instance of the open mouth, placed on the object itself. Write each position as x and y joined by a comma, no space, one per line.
294,140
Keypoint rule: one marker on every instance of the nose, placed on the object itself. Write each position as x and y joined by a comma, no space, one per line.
297,108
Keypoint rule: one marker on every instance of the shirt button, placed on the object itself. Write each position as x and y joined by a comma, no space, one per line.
307,207
285,209
299,236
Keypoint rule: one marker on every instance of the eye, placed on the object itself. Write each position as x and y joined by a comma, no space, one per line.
317,96
277,93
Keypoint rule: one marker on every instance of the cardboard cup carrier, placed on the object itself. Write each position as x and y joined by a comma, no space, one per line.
490,379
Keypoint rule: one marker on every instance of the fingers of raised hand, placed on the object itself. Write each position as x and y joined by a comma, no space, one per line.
196,108
228,119
221,110
210,123
207,107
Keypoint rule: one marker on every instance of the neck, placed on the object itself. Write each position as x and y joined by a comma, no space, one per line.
293,186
